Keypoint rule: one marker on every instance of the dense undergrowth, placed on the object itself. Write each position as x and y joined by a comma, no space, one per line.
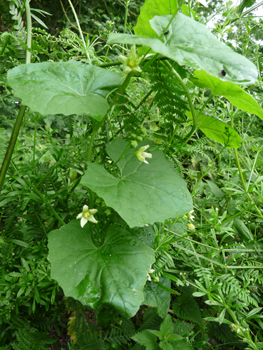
171,255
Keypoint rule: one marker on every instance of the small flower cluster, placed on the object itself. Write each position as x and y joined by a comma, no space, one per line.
149,278
190,226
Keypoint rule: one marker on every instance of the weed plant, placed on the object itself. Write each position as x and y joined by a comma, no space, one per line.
158,162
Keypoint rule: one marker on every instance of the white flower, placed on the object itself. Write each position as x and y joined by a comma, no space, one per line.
191,217
87,215
148,274
141,155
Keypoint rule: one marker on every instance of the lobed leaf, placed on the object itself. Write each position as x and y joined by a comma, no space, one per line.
191,44
143,193
114,273
63,87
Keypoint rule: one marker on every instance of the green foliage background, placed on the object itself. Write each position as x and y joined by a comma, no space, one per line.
206,288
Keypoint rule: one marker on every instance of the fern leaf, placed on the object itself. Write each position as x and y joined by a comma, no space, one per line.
115,336
32,339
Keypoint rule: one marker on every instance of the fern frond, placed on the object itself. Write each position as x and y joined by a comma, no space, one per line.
31,338
115,336
231,284
170,97
204,276
163,261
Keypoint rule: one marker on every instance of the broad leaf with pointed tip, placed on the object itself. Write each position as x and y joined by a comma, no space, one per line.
235,94
114,273
191,44
63,87
143,193
218,130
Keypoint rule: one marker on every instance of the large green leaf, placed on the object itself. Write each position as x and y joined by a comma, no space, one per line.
114,273
237,96
218,130
155,296
191,44
150,9
63,87
143,193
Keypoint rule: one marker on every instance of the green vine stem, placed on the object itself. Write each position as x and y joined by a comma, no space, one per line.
96,128
11,145
29,32
126,15
21,113
241,174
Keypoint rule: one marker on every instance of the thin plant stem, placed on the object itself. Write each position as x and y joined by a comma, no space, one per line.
11,145
206,171
205,104
34,144
126,16
79,28
21,113
120,92
171,139
5,45
29,32
241,174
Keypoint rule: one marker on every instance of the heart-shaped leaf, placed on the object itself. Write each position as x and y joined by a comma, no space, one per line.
63,87
143,193
114,273
231,91
191,44
218,130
